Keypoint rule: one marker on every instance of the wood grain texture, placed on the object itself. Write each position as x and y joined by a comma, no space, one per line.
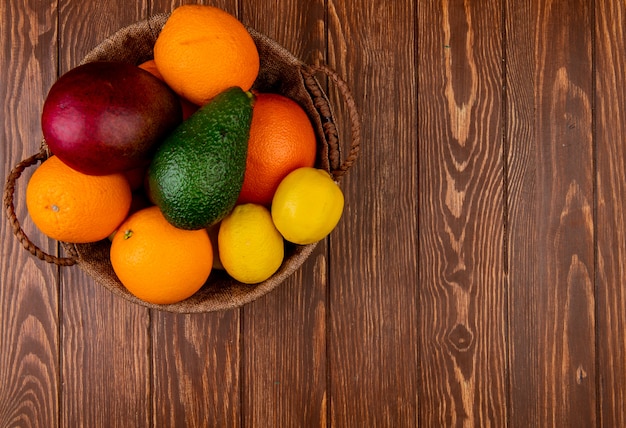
29,337
475,279
551,226
196,379
610,125
112,387
284,333
373,293
284,353
462,333
106,366
196,358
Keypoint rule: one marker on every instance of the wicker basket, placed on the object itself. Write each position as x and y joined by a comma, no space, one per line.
280,72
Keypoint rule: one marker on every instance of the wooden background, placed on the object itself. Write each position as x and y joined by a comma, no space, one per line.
477,276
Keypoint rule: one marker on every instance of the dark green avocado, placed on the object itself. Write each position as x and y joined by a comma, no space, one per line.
197,172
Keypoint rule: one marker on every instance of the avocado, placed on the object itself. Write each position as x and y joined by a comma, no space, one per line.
197,172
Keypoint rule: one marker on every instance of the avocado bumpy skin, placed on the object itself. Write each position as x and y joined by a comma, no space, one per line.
197,172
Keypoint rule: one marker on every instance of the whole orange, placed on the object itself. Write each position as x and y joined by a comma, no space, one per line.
70,206
282,139
158,262
188,107
203,50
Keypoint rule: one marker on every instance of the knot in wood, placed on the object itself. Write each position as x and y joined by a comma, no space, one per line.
461,338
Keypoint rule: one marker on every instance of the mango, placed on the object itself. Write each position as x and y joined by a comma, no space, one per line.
105,117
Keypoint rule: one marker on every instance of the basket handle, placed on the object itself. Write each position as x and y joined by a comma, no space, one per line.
9,193
353,114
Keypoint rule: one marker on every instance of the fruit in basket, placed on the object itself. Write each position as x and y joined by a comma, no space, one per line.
196,174
157,262
70,206
251,249
203,50
188,107
281,139
106,117
307,206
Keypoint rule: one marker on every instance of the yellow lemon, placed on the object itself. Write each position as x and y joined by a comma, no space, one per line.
307,205
250,247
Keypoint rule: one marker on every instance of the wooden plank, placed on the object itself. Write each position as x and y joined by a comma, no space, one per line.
373,275
29,337
196,369
462,295
610,125
551,231
105,362
196,358
284,352
284,340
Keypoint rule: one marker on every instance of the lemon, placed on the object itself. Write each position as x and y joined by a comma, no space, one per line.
307,205
250,248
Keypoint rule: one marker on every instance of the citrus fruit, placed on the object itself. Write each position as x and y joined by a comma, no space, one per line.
150,67
188,107
157,262
281,139
203,50
307,206
70,206
251,249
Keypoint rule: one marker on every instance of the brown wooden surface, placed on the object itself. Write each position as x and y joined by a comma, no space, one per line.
476,278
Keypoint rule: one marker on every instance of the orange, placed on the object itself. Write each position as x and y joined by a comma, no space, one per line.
150,67
158,262
188,107
282,139
70,206
203,50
